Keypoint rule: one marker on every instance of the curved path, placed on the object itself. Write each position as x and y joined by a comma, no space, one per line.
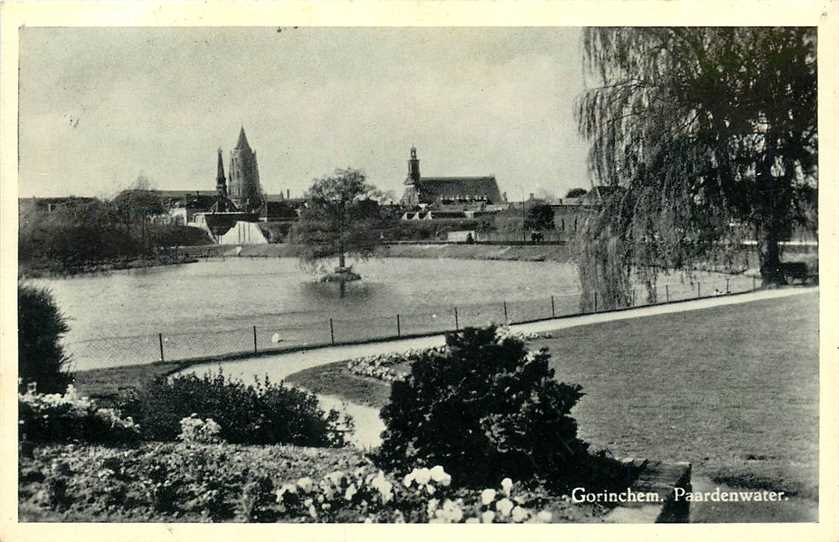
278,367
368,425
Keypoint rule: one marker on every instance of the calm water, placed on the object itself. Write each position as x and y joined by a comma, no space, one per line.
211,307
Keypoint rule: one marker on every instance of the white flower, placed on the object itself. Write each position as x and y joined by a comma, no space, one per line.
545,516
305,484
519,514
431,506
487,496
488,516
409,478
336,477
350,492
430,489
506,486
439,475
383,486
452,511
422,476
504,506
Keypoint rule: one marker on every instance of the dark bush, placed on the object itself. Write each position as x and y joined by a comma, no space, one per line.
40,324
484,408
260,413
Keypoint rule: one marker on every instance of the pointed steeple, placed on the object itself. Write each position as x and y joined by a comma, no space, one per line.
221,182
243,140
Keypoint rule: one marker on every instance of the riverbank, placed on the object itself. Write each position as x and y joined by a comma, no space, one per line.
563,253
37,270
526,253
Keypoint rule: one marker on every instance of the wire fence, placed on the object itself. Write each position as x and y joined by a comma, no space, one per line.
265,337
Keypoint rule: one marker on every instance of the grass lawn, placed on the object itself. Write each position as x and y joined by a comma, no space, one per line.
106,383
335,379
733,389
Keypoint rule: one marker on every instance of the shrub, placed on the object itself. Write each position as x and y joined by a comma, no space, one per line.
390,366
54,417
260,413
41,358
483,406
196,430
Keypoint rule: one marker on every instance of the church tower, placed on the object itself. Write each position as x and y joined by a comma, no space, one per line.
413,168
411,196
244,176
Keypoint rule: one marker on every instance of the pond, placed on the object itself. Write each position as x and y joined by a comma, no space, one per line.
237,304
211,307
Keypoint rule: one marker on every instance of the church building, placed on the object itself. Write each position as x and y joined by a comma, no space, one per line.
450,193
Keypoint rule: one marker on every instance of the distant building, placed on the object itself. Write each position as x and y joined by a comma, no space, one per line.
450,197
244,188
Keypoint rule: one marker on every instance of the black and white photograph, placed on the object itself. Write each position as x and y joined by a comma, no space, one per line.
392,273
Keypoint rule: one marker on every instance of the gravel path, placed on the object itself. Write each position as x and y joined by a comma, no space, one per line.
280,366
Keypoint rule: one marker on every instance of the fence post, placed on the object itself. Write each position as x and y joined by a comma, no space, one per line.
398,326
553,308
506,320
332,332
595,301
667,293
754,283
254,340
456,323
727,289
698,289
160,340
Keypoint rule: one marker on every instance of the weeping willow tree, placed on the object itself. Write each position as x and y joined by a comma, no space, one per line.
702,137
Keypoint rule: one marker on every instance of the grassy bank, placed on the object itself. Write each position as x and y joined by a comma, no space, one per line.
535,253
558,253
734,389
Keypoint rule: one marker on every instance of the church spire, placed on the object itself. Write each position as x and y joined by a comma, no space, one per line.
243,140
221,182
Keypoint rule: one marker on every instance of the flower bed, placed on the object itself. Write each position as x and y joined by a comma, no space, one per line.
224,482
394,366
57,417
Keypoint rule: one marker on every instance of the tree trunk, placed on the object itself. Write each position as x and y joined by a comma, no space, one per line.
770,259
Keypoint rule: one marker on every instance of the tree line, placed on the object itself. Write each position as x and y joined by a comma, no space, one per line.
87,231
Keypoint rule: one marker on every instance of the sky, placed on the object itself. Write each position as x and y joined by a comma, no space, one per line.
100,106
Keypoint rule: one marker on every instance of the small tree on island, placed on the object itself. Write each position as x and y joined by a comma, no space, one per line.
337,222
